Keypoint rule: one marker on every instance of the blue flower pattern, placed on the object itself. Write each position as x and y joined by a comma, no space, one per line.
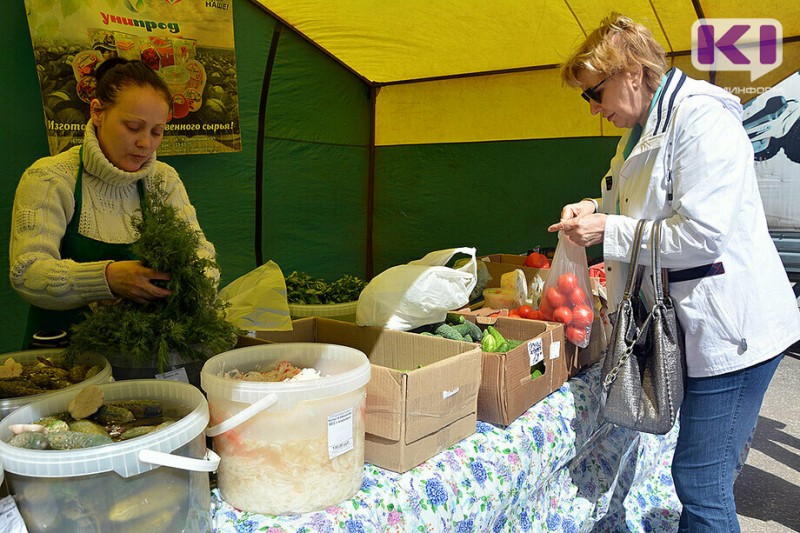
507,480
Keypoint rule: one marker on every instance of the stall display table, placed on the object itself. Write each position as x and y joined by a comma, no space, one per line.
553,469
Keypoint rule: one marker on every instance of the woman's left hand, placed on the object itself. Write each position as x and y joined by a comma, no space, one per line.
584,230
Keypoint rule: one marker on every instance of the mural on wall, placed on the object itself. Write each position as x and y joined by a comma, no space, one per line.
772,121
188,42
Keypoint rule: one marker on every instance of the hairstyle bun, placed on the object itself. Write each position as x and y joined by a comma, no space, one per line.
107,65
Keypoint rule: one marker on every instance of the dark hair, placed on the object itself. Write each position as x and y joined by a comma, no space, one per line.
116,73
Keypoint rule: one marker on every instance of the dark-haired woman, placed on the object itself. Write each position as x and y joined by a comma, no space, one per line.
71,222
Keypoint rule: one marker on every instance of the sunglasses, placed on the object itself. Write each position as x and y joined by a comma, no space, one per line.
592,93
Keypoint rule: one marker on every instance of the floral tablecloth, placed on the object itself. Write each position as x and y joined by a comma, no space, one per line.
553,469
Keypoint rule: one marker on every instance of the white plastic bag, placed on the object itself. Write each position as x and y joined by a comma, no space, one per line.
421,292
258,300
567,294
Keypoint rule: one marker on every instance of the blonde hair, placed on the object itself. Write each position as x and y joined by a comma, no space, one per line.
618,45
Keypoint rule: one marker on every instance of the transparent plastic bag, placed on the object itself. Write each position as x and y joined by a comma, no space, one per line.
567,295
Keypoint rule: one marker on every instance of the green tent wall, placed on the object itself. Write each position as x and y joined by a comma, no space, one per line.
310,163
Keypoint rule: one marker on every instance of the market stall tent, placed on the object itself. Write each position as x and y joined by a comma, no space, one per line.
375,132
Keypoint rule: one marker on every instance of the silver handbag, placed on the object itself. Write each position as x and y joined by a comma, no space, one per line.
644,369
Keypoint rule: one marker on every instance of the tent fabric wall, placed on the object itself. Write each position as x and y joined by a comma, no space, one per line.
497,196
316,154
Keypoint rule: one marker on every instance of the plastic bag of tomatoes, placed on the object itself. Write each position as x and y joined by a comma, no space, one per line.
567,295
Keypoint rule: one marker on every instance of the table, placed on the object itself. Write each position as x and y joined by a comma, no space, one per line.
556,468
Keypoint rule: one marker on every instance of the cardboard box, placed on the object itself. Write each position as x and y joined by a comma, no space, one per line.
423,391
499,264
580,358
507,390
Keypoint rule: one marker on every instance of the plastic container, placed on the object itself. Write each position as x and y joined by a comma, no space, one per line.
7,405
156,482
498,298
124,368
344,311
288,447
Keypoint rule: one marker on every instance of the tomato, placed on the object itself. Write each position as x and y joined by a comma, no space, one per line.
576,335
537,260
546,309
513,313
525,311
567,282
563,314
582,316
536,315
577,296
554,297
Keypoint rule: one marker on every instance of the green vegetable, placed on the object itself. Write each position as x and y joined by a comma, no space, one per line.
489,343
301,288
474,331
502,347
455,318
496,334
448,332
537,370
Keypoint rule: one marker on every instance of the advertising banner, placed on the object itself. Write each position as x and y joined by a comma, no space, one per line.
188,42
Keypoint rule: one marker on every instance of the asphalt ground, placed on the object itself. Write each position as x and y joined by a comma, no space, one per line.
767,490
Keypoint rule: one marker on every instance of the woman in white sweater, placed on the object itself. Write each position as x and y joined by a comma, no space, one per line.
71,222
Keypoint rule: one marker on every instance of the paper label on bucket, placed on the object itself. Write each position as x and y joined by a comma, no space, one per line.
179,374
10,518
340,433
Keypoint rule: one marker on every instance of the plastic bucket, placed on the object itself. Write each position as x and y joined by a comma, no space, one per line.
288,447
156,482
124,368
344,311
7,405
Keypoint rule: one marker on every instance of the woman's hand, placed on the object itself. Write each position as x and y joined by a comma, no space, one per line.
132,280
581,224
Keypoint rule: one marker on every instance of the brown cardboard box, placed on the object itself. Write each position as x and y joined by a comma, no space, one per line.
422,394
507,390
580,358
499,264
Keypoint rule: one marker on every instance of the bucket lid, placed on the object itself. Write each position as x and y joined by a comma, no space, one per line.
120,457
343,369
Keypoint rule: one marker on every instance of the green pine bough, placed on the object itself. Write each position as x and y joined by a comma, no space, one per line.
190,322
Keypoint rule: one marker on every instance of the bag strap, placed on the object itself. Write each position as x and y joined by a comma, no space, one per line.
635,271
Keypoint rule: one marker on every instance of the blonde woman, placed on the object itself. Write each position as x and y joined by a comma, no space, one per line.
687,162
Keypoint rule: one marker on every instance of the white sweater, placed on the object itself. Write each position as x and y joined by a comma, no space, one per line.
44,205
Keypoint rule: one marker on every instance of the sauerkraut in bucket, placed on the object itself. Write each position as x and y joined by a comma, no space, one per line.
305,450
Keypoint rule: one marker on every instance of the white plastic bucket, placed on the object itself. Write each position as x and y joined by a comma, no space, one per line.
7,405
156,482
288,447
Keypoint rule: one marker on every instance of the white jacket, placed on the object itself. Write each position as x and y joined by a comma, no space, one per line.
732,320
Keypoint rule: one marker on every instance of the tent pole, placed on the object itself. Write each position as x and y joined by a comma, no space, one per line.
262,118
370,259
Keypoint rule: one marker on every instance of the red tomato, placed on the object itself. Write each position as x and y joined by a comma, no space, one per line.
576,335
582,316
563,314
567,282
525,311
546,309
513,313
577,296
536,315
554,297
537,260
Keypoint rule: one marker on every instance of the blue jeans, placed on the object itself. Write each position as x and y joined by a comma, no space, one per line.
718,416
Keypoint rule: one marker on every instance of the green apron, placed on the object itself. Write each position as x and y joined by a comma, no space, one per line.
83,250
